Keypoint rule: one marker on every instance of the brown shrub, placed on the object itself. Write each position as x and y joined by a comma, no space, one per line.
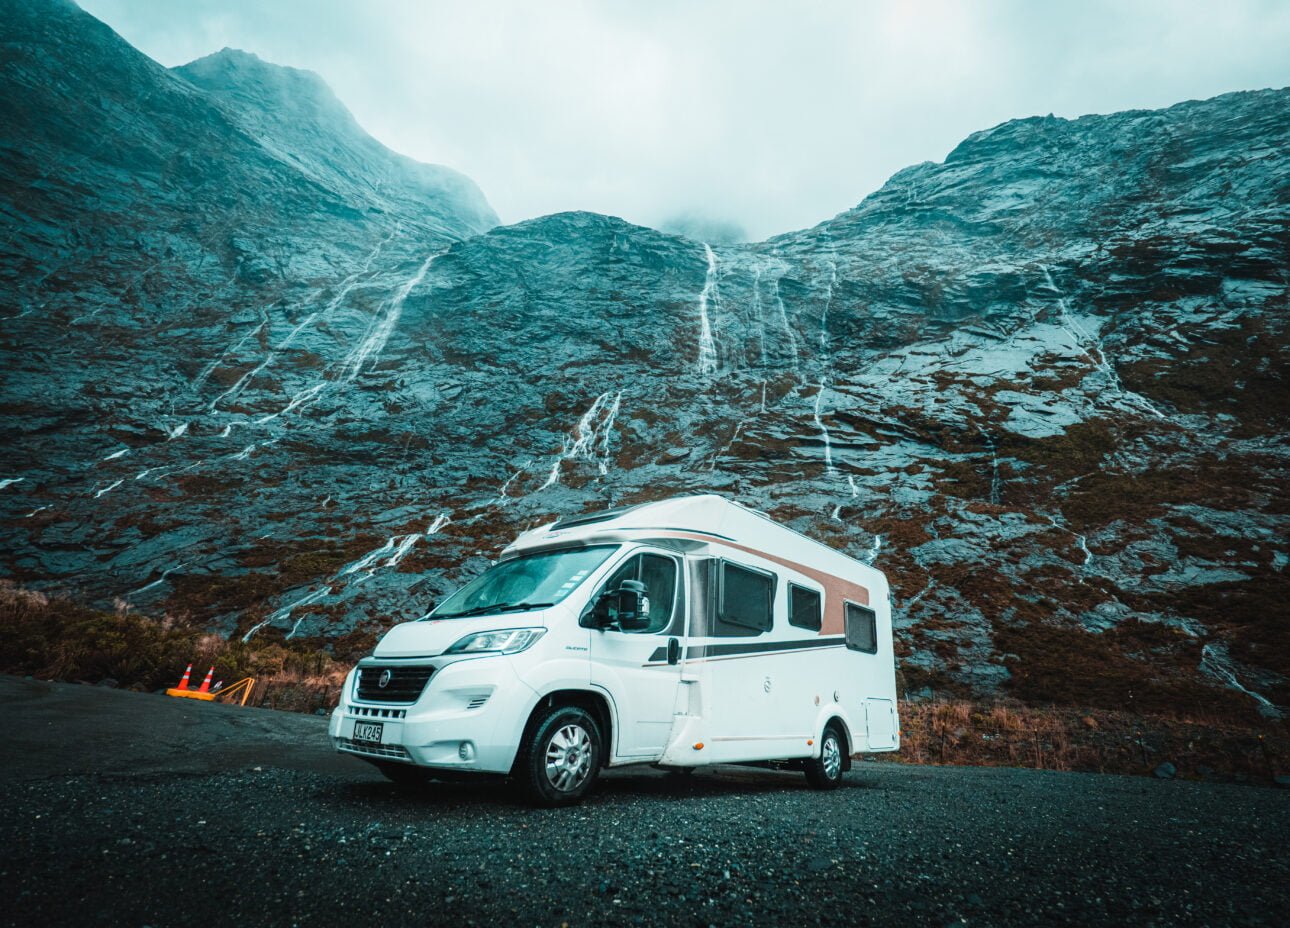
1010,734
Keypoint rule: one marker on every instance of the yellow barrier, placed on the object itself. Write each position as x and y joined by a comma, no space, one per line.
204,694
243,687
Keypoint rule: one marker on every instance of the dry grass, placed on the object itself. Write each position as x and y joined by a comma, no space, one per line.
56,639
1009,734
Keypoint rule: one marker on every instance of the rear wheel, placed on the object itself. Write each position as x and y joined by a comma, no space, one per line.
561,758
825,771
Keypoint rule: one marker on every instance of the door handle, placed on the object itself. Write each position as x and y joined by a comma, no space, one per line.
673,651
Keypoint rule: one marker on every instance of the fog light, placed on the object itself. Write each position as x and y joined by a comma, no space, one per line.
466,751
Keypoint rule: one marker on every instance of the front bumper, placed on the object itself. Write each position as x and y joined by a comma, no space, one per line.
469,717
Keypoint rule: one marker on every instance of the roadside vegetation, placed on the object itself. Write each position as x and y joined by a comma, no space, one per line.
1011,734
53,638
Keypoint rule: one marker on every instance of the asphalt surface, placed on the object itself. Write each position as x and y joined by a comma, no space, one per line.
125,809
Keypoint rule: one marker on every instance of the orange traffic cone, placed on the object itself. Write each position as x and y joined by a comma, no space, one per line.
183,684
206,684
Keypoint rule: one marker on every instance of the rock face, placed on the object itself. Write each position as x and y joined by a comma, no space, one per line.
295,116
259,368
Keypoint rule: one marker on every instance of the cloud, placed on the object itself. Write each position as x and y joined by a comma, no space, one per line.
767,116
714,231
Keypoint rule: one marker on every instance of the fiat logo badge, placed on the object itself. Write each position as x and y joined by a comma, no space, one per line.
384,679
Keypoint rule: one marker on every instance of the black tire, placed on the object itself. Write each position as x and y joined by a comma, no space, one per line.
825,771
561,757
404,776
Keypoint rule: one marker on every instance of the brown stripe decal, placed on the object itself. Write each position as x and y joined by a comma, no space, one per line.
836,590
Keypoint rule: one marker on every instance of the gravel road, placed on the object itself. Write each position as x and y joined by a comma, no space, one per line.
125,809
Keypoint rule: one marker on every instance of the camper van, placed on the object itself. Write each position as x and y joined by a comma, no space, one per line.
682,634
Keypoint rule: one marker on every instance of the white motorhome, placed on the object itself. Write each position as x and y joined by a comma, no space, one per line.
682,634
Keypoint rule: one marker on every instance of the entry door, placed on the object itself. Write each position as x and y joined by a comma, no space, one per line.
633,666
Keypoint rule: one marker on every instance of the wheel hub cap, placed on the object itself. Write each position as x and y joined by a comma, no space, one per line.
831,755
568,758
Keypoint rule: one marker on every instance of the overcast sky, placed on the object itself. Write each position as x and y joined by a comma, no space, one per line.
765,116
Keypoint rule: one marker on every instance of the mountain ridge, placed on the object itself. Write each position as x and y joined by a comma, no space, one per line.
296,111
1043,388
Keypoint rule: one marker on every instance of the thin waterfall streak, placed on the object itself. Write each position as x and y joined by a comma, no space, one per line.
383,324
503,494
828,303
1083,339
286,611
716,458
707,343
996,484
824,431
590,437
760,309
326,591
210,368
346,287
1219,666
788,329
160,580
306,396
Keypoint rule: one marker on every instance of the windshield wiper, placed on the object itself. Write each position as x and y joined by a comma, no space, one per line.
493,607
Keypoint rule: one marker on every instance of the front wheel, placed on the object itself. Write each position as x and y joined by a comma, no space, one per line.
561,758
825,771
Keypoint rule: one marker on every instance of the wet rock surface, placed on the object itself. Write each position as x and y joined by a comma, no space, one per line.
251,818
260,369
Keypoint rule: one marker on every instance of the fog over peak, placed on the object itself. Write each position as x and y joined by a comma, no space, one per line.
756,116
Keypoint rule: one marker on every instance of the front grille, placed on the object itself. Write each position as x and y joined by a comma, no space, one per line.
403,685
378,713
375,750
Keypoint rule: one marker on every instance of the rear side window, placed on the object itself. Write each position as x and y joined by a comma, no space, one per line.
862,629
746,601
804,607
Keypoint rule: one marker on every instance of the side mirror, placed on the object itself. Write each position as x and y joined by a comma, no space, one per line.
633,606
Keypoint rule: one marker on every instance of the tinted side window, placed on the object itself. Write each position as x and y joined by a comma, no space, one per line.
658,573
862,629
747,598
804,607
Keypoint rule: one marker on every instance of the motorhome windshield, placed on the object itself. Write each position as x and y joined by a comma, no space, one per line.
530,582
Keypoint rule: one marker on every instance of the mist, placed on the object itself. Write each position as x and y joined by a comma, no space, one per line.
745,118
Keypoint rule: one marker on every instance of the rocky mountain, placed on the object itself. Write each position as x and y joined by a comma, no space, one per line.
294,115
262,370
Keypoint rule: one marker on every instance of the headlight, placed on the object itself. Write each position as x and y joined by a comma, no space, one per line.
505,641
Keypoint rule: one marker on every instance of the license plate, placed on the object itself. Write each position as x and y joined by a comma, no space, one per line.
368,731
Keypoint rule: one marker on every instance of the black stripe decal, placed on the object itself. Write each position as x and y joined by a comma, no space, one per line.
696,651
